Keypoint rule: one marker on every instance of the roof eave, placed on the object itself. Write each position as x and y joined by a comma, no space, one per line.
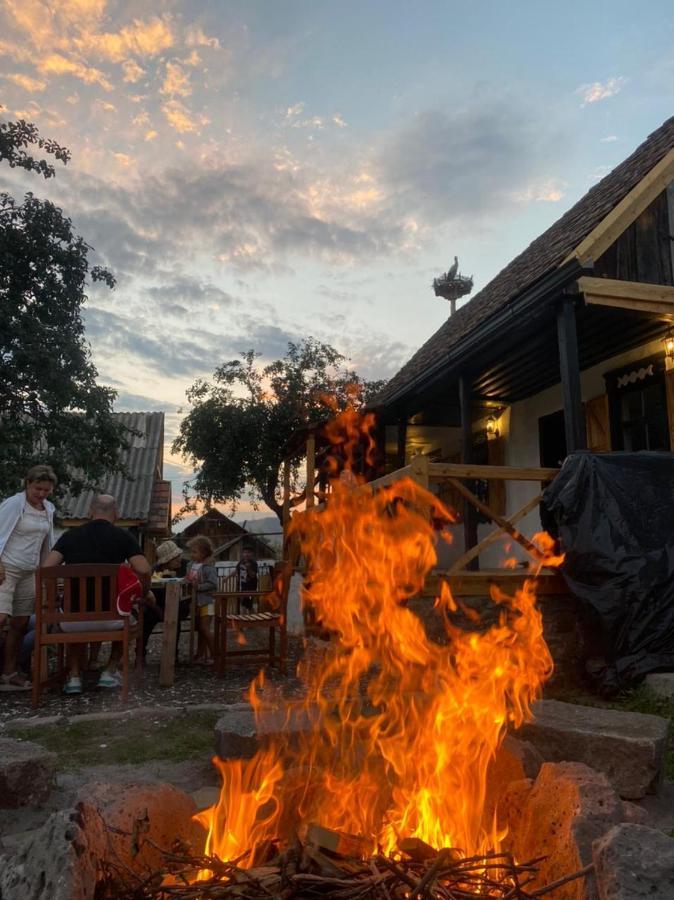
531,301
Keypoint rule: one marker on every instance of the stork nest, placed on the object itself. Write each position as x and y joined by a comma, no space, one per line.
452,288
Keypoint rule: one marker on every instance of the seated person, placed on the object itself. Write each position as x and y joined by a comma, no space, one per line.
170,564
100,542
246,575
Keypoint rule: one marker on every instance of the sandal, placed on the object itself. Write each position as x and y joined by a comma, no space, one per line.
14,682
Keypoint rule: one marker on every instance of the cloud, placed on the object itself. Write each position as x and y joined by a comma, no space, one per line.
176,81
56,64
127,402
196,38
147,342
191,294
33,85
464,164
179,117
122,336
541,191
151,135
132,71
140,39
609,139
601,90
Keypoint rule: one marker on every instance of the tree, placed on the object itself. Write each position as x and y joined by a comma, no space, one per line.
236,434
51,408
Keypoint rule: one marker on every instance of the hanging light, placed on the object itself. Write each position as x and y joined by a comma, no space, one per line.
491,423
668,341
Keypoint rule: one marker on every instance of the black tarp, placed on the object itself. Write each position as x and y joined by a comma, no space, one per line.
614,516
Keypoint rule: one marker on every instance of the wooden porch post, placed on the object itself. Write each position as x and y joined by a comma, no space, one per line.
402,443
466,405
569,368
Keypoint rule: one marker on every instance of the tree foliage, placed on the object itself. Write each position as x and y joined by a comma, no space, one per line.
51,408
238,428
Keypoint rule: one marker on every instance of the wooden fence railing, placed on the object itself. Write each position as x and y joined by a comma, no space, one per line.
462,580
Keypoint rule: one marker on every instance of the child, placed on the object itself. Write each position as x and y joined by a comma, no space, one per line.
201,571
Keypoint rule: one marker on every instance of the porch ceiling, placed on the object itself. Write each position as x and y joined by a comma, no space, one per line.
532,365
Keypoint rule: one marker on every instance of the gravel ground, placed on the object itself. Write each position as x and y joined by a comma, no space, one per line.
193,685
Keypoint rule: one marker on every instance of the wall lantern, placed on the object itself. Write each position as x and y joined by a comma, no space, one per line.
492,422
668,341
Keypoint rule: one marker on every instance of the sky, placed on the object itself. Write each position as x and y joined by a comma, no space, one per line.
258,172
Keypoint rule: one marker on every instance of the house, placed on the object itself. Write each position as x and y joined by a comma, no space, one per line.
143,496
228,537
568,347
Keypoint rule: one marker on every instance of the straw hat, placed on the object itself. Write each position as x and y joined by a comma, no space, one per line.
166,552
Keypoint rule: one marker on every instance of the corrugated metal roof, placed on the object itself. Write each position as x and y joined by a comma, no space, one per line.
133,492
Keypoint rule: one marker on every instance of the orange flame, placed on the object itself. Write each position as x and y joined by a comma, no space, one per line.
399,729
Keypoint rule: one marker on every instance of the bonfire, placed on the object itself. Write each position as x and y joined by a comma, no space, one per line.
383,790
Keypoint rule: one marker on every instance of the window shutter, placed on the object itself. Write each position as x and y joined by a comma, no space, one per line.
669,384
598,424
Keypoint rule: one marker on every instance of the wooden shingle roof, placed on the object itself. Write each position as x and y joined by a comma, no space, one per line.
544,254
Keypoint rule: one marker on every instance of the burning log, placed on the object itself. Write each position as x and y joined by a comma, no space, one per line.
303,871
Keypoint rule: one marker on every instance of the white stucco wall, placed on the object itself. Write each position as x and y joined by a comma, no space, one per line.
522,447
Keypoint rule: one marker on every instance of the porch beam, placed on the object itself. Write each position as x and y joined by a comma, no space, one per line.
569,368
656,299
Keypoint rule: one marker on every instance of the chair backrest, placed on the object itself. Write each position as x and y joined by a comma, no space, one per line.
281,575
228,583
79,593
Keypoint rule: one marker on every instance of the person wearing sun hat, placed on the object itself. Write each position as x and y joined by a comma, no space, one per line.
168,562
169,557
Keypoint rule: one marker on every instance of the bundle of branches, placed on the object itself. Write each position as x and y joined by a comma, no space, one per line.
304,871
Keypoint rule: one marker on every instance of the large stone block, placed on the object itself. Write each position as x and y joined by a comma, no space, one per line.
61,861
132,812
26,773
633,862
628,747
239,734
568,807
104,836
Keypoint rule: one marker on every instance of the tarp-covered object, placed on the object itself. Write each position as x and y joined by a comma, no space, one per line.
614,514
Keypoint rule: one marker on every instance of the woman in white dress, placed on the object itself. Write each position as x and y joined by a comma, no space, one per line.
26,535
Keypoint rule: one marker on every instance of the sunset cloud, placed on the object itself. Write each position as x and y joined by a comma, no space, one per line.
176,81
601,90
141,39
132,71
196,38
179,117
56,64
33,85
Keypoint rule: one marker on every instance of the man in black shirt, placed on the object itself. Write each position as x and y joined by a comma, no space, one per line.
100,541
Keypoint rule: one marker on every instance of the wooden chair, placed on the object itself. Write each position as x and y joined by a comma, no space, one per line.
54,607
271,612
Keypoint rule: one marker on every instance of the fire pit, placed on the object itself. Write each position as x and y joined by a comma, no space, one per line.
393,774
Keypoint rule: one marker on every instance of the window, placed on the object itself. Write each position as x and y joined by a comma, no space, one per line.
552,439
638,405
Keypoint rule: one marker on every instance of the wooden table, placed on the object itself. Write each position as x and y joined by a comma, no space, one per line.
176,590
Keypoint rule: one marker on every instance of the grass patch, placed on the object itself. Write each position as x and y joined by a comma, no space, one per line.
135,740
